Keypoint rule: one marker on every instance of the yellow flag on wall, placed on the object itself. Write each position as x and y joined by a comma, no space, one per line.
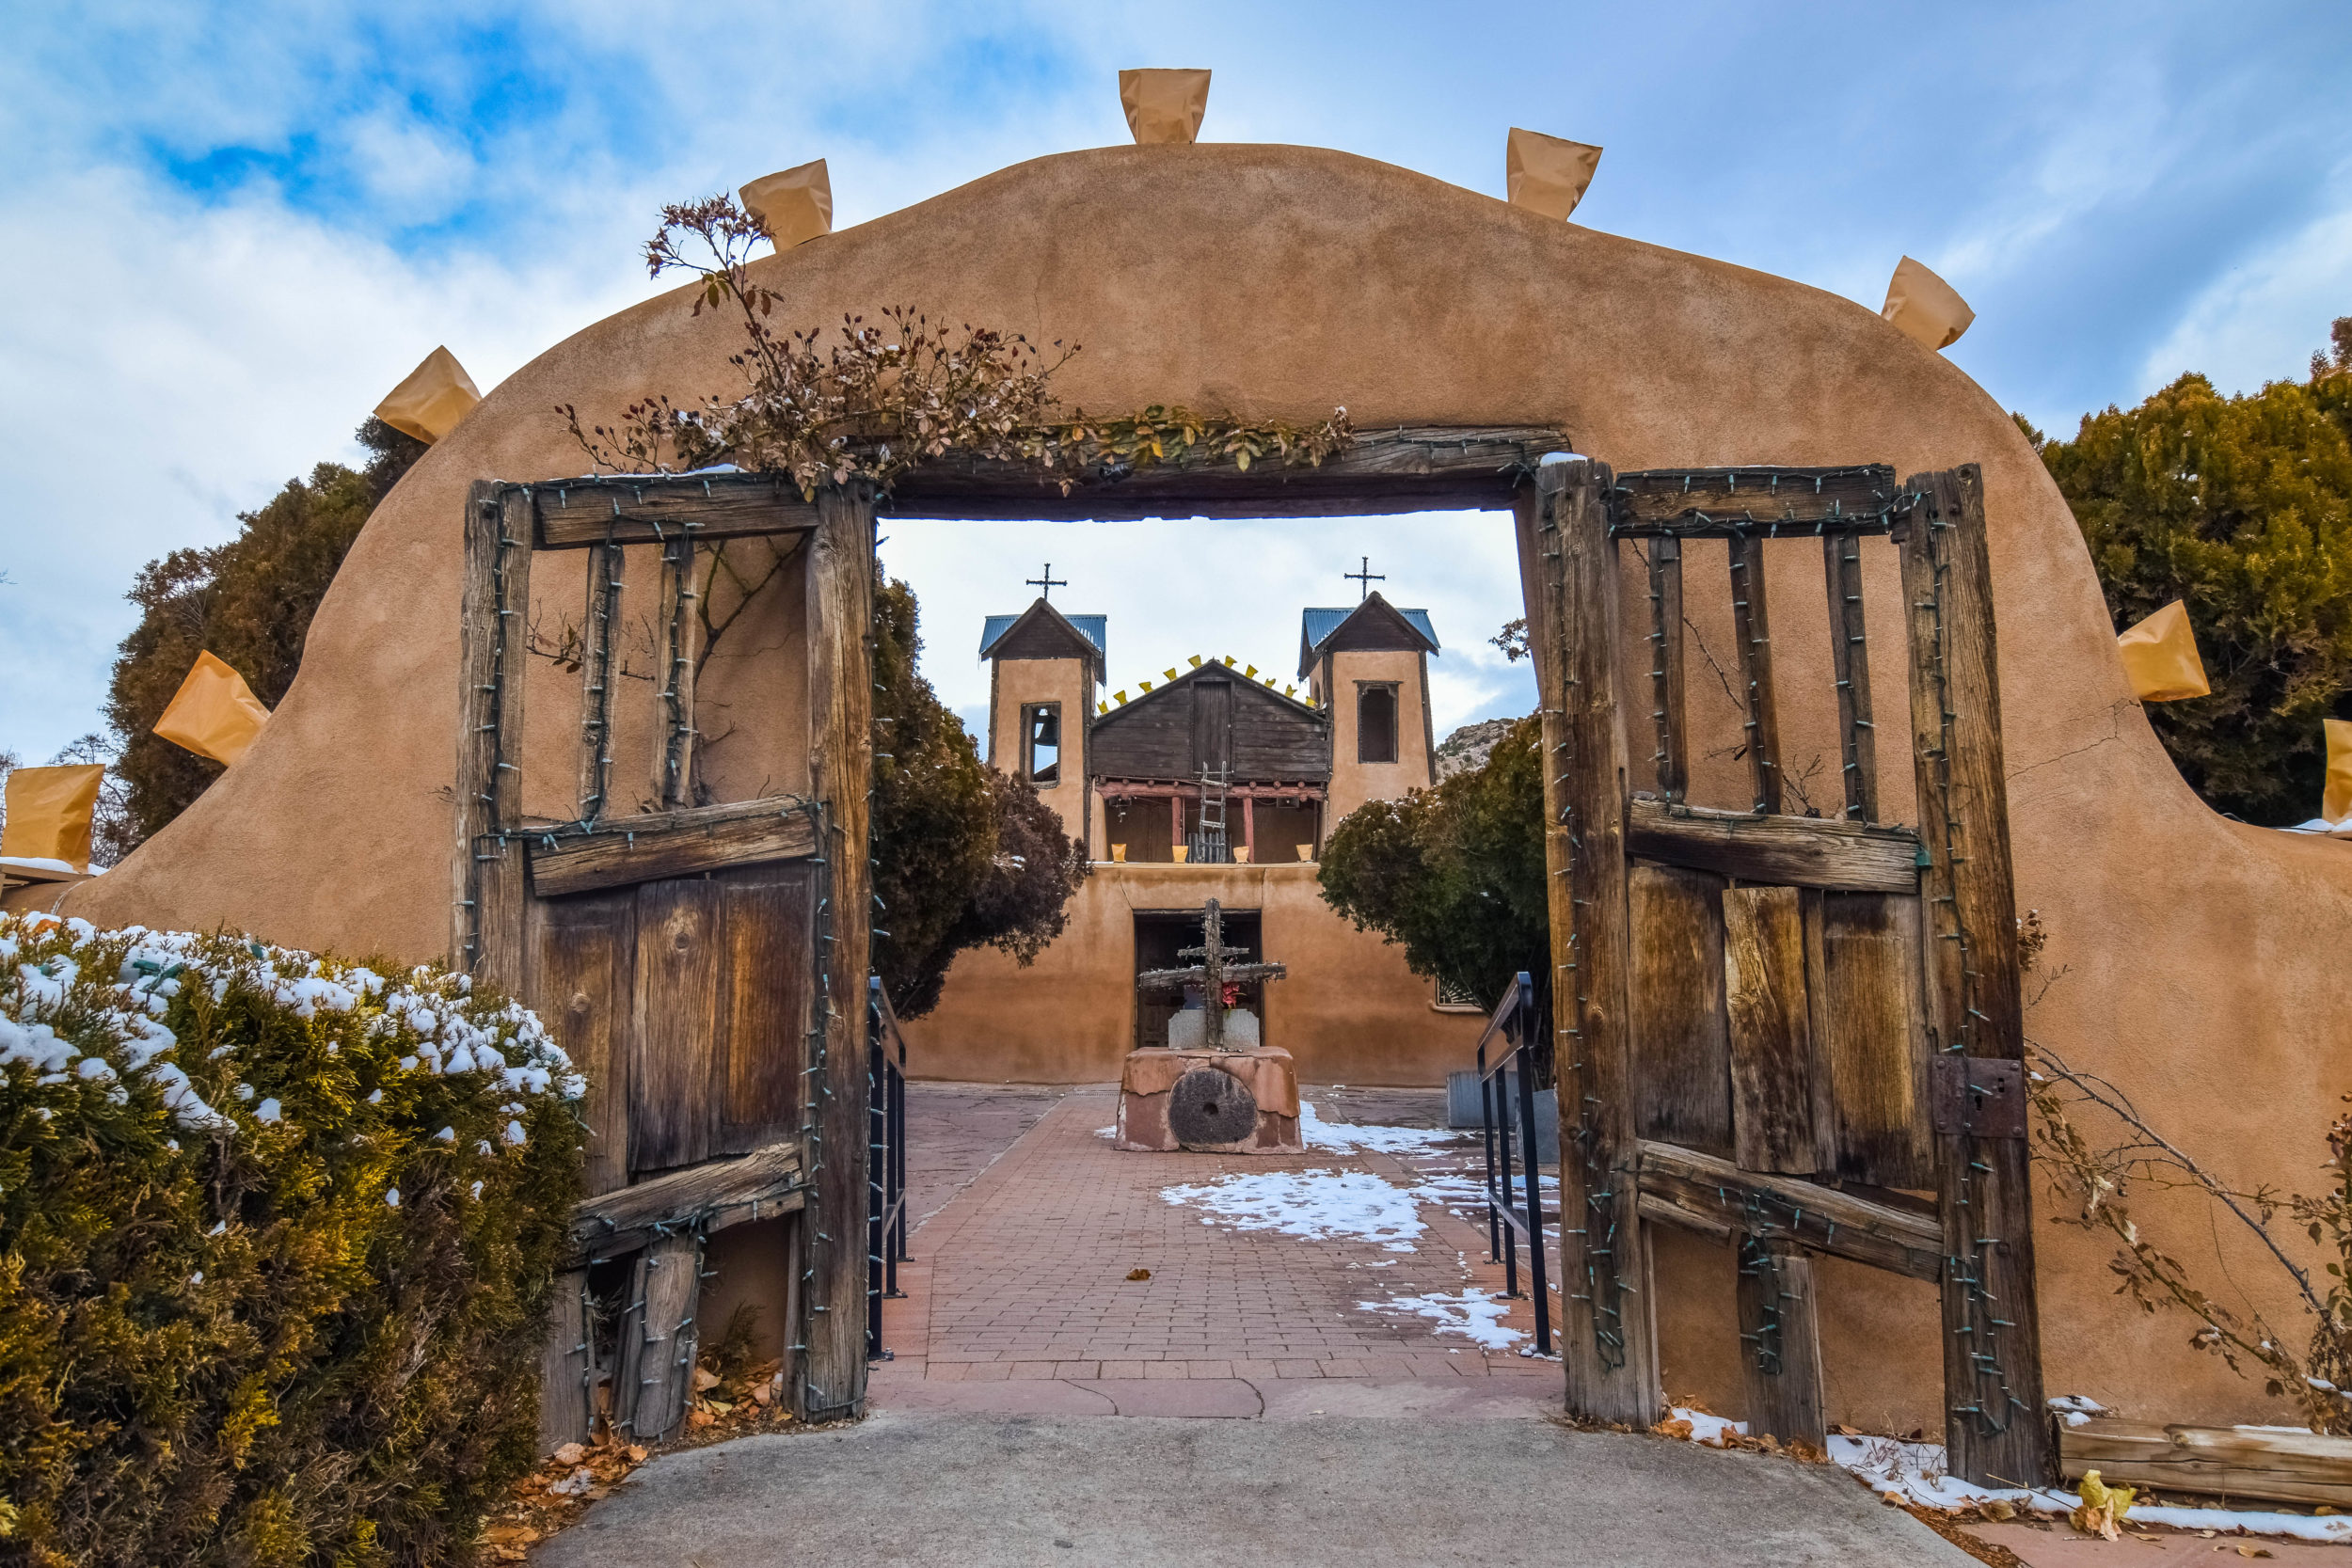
2335,800
2161,657
213,714
429,404
49,812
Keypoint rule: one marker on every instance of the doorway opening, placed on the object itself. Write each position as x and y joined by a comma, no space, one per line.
1161,935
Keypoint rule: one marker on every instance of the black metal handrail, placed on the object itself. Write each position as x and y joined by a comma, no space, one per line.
887,1158
1514,1019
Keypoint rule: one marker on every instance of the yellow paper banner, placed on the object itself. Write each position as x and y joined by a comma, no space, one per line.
2335,800
794,206
2161,657
1547,174
213,714
429,404
1924,308
49,813
1164,106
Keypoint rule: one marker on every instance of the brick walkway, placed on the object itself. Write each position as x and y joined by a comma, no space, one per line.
1019,1301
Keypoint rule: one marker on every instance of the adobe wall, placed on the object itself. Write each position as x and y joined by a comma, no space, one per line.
1349,1012
2201,959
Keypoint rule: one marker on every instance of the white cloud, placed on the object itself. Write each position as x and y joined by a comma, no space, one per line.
2261,321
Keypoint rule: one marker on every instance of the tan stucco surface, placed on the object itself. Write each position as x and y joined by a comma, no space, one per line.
2201,959
1348,1012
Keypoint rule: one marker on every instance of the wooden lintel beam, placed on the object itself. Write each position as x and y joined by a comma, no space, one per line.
1799,851
1405,468
1715,1192
1125,790
656,508
1728,502
709,1198
623,850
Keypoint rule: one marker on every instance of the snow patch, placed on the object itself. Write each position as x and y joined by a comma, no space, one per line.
1316,1205
1475,1315
1346,1138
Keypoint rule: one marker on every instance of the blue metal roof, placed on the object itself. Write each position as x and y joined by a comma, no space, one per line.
1094,628
1321,623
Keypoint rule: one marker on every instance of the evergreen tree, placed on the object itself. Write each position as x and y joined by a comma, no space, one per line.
2242,506
965,856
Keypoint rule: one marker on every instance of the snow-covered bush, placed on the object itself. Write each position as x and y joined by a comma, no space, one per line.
277,1233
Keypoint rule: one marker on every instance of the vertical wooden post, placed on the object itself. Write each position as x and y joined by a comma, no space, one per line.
659,1341
1606,1344
1996,1432
1249,826
565,1364
1665,667
596,679
681,630
840,575
1780,1340
1850,657
1752,641
486,916
1175,822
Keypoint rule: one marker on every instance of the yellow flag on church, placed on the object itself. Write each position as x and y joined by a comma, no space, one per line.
213,714
2335,801
49,811
2161,657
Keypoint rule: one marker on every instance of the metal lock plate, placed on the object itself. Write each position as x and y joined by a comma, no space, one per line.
1980,1095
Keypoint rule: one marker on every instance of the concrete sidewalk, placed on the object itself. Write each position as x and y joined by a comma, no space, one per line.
975,1490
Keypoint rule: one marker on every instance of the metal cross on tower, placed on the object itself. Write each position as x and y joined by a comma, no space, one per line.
1046,582
1212,974
1364,578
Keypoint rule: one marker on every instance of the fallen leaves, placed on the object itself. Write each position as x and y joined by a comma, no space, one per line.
2103,1508
1139,1274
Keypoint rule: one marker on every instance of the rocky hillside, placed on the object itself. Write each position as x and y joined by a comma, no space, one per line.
1466,747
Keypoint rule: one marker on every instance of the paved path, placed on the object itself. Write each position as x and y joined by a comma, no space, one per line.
1019,1299
1258,1398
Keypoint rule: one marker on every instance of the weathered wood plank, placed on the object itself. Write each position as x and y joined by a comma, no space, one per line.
674,1030
1797,851
1872,1047
487,931
1729,502
1995,1431
1752,641
840,579
1850,660
658,1360
759,1185
2225,1462
1781,1340
583,986
1672,762
624,850
566,1368
651,509
596,678
1863,1230
1771,1030
1608,1346
1412,468
678,625
765,981
1656,1210
1681,1045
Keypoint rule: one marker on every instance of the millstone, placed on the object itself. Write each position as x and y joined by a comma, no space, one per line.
1211,1107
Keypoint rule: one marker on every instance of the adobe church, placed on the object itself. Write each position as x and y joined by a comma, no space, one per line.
1213,780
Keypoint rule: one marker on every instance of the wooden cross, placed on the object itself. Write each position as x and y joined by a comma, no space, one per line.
1211,975
1048,582
1364,578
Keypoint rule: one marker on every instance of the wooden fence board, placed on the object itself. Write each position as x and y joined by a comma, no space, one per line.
1716,1195
2225,1462
1682,1047
627,849
676,1029
1780,1341
1872,1049
764,918
1799,851
584,986
658,1360
1849,662
1752,642
1771,1030
565,1365
1731,502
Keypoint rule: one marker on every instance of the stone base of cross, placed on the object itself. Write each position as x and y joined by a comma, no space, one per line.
1212,975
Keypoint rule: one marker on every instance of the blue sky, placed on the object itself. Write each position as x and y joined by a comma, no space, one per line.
231,229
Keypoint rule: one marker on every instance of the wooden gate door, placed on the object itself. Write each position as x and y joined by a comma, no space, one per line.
1799,1034
704,965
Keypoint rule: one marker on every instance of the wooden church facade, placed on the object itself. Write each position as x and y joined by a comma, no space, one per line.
1214,781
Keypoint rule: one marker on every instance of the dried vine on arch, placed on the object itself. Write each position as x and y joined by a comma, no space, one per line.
894,391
